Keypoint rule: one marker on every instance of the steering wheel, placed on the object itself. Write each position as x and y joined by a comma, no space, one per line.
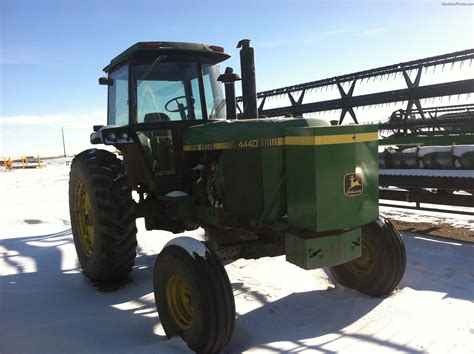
177,103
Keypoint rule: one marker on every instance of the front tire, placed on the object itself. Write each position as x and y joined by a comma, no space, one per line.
194,298
102,216
382,264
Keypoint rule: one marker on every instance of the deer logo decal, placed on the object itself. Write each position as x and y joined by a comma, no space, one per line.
353,185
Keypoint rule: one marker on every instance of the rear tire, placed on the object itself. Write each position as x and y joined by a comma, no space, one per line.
102,216
382,264
194,298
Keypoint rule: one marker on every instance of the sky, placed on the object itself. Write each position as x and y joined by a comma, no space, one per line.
52,51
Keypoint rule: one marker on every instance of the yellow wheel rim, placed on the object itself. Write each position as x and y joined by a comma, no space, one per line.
179,301
84,218
363,264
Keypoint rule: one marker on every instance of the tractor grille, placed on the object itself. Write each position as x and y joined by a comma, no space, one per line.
243,183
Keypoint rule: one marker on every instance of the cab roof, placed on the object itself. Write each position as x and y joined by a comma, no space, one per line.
167,47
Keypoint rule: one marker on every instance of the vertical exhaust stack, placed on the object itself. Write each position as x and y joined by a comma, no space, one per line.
229,79
249,88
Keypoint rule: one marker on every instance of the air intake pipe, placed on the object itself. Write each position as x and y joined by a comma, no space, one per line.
249,88
229,79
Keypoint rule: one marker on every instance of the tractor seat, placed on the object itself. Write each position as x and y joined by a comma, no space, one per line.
156,117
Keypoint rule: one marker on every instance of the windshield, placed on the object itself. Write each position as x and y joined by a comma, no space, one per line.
169,90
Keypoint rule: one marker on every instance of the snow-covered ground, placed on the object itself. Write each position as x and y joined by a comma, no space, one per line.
432,217
48,306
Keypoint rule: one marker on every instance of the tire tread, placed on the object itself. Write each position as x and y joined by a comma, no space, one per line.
115,214
391,265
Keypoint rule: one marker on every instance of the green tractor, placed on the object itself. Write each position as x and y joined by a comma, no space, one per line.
258,187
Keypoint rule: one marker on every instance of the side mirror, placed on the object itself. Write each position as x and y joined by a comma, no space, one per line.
106,81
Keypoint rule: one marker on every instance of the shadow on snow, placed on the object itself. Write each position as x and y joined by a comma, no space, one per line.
55,310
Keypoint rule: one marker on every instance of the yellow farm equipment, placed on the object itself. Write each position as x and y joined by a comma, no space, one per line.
22,163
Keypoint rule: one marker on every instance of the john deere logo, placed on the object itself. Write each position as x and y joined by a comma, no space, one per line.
353,184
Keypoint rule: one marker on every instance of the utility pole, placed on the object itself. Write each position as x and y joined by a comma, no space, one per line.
64,145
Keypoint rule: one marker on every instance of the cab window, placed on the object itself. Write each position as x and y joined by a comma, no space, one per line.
118,97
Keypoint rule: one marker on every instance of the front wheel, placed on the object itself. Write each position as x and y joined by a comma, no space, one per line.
382,264
193,295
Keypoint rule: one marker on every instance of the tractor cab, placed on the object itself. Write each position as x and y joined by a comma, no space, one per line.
155,91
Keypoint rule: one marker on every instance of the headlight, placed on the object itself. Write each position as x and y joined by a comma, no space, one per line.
111,136
124,136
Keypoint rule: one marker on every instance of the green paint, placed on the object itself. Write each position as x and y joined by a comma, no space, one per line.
254,179
316,191
179,208
244,130
208,215
322,251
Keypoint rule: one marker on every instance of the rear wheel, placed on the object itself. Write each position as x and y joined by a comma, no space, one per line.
102,216
194,297
382,264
